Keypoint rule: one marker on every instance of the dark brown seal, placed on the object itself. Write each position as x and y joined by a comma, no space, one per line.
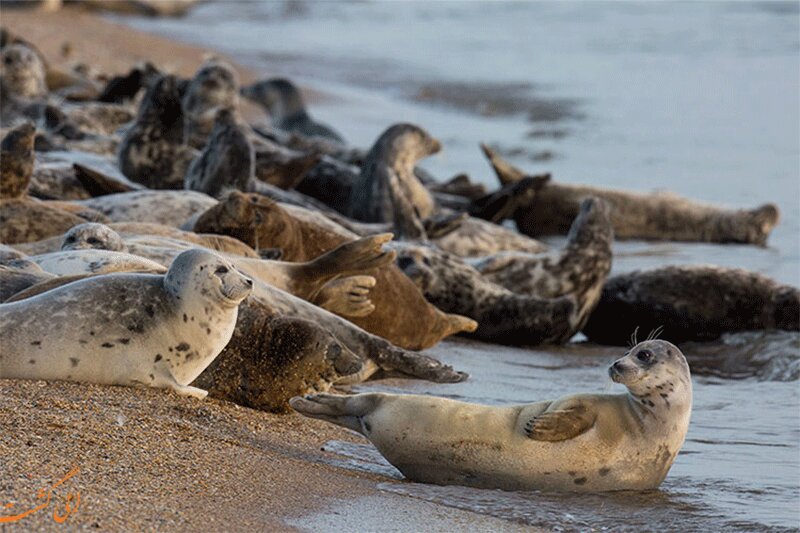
691,303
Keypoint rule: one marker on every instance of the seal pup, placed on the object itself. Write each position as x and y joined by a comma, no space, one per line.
401,315
214,86
22,72
657,217
152,151
580,442
692,303
393,156
283,102
151,330
579,269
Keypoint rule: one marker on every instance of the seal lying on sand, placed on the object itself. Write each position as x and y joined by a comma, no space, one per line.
282,100
581,442
691,303
171,208
22,218
152,152
658,217
127,329
401,313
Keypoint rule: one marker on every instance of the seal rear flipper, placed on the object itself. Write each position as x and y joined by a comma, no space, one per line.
343,411
561,424
506,172
503,204
98,184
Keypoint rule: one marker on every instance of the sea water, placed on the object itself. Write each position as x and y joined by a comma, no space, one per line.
696,98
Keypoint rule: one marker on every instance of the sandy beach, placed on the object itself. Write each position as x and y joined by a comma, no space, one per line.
146,459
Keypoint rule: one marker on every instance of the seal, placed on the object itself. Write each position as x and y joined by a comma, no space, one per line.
170,208
152,151
74,262
503,316
226,163
22,218
657,217
22,72
580,442
150,330
579,269
19,274
393,156
401,315
327,280
692,303
283,102
214,86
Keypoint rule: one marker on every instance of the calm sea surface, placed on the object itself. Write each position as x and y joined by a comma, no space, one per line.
696,98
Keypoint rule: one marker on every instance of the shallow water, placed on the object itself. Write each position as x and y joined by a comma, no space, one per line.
697,98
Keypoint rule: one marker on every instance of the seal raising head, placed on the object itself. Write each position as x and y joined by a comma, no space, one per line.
127,329
581,442
23,72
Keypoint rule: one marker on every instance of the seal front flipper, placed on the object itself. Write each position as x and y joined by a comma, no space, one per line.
505,171
347,296
561,424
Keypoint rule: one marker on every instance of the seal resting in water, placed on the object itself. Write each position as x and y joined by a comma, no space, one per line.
658,217
127,329
581,442
691,303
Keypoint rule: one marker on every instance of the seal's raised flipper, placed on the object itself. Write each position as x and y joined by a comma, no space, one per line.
503,203
344,411
505,171
98,184
353,257
561,424
348,297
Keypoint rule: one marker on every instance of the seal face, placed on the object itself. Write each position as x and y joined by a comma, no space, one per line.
215,86
582,442
127,329
22,72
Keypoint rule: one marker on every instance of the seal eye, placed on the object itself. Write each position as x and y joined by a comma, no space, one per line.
92,240
221,270
645,356
8,60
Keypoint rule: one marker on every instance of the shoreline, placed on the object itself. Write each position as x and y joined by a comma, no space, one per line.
149,459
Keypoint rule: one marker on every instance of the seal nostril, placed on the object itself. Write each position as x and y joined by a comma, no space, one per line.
249,282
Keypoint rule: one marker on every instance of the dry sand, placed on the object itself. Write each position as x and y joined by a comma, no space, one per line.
149,459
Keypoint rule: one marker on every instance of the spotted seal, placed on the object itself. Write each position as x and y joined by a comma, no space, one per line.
26,219
22,72
580,442
214,86
692,303
151,330
401,315
152,151
658,216
284,103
